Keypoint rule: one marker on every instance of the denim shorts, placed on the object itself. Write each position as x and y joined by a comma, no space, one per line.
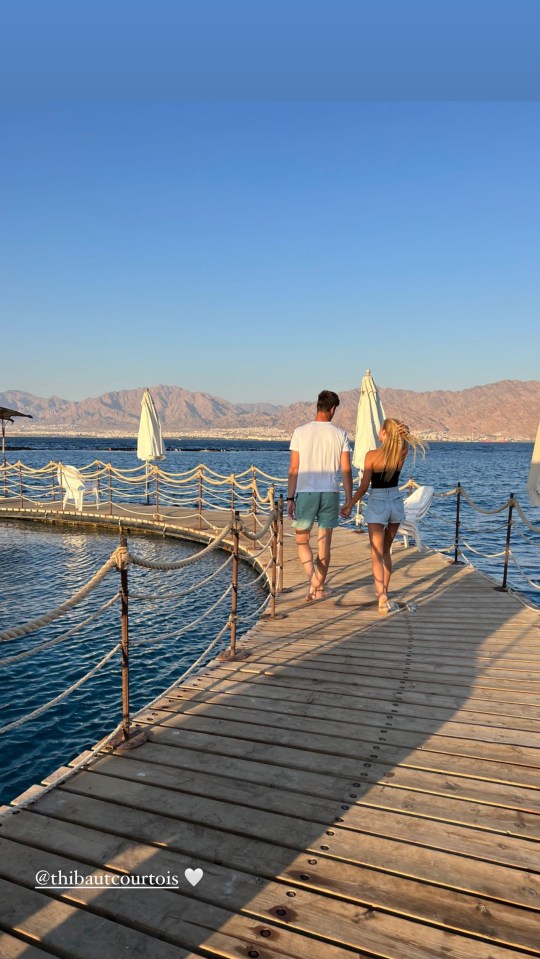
323,507
384,506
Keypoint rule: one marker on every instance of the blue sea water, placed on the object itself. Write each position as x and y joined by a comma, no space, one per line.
40,566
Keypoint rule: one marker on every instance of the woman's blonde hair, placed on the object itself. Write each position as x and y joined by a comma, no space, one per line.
391,452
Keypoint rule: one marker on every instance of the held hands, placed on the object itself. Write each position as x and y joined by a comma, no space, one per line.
345,510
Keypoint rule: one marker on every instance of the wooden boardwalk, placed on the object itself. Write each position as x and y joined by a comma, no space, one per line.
357,786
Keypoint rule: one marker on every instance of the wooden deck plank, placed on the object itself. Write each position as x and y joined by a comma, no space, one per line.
75,933
492,742
435,771
319,785
241,890
509,884
514,851
317,705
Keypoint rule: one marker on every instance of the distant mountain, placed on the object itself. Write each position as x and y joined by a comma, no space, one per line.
509,409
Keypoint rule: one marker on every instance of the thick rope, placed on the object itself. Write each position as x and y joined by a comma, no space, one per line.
17,631
259,610
193,666
257,536
58,699
153,597
523,573
487,512
54,642
528,524
147,564
484,555
185,629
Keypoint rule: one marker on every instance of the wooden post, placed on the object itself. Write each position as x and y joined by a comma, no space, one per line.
232,491
280,544
156,473
456,535
52,485
503,586
19,464
110,488
60,477
234,597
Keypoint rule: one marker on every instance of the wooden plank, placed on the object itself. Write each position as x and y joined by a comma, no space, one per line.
428,805
309,909
182,920
372,711
507,714
514,787
74,933
490,742
509,884
256,739
347,680
468,840
12,948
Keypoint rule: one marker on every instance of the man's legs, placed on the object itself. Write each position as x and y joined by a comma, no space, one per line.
324,543
305,555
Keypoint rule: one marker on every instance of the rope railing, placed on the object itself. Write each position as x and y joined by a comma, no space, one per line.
134,490
227,538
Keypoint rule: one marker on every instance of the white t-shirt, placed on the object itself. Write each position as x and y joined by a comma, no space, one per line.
319,445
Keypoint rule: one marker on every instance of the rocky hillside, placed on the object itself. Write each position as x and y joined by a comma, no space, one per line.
509,409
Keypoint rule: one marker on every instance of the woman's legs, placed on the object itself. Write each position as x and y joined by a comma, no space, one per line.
376,542
389,536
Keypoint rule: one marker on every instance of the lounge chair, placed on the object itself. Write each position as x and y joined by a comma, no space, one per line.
72,481
416,506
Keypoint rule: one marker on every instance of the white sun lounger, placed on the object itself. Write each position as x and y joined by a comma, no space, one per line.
416,506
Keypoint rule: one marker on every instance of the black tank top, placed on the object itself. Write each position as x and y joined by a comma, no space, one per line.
378,481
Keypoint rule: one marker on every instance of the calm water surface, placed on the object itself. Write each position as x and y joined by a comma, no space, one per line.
40,566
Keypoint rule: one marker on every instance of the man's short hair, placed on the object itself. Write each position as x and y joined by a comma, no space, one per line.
327,400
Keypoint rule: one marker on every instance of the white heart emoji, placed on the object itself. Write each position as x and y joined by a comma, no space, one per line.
194,875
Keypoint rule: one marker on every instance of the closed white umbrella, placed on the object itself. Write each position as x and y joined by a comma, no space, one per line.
533,482
369,419
149,441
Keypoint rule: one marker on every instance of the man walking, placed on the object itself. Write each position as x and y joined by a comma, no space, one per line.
319,451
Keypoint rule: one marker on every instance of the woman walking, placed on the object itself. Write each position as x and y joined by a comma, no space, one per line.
385,510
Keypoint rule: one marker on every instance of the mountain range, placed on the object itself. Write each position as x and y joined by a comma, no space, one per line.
506,410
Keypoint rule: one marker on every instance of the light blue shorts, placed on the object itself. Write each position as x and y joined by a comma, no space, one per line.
323,507
384,506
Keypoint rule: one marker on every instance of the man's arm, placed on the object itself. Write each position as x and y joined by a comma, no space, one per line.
294,466
346,472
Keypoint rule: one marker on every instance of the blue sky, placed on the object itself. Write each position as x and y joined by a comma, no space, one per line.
263,250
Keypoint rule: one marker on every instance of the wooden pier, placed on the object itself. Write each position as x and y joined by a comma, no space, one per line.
358,786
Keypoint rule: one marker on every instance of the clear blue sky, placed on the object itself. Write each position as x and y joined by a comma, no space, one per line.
263,250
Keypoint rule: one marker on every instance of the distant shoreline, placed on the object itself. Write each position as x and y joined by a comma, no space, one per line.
262,435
